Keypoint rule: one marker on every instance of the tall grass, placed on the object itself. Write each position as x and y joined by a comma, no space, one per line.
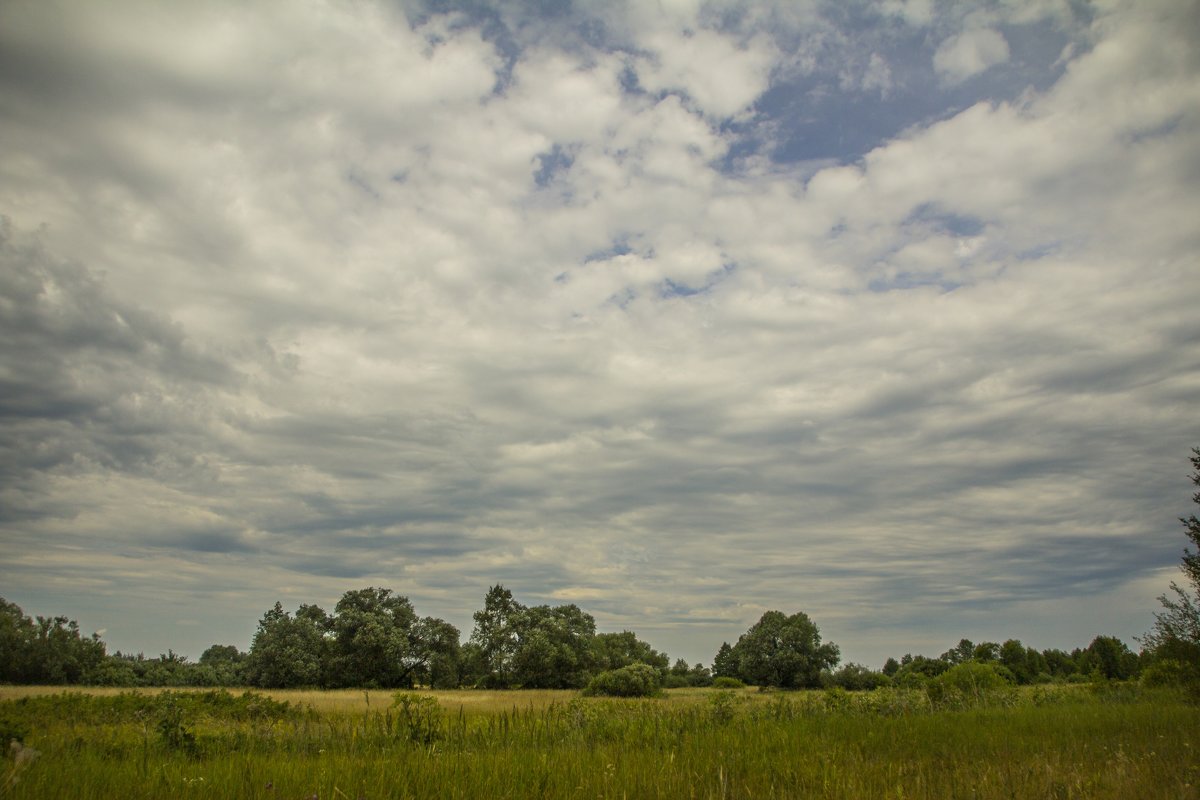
1118,743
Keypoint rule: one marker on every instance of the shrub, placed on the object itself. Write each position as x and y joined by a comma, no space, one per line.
635,680
856,677
967,684
722,706
726,682
420,718
1173,673
171,725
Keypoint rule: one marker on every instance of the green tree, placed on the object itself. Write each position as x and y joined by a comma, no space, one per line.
287,651
917,670
856,677
555,648
1176,633
1058,663
779,650
1111,657
436,653
46,649
377,640
699,675
986,652
963,651
496,635
221,665
616,650
725,663
1014,658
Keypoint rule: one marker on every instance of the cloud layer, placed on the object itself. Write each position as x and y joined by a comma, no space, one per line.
679,314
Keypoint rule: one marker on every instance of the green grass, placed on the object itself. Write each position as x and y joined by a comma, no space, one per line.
1078,743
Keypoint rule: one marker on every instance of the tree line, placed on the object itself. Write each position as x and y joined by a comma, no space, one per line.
374,638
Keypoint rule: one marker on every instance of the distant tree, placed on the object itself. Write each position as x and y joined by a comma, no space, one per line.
1014,658
785,651
856,677
699,675
963,651
220,665
1110,657
616,650
554,648
1039,668
496,635
725,664
16,638
891,667
169,669
118,670
917,670
46,649
287,651
437,653
1176,633
379,641
1058,663
986,652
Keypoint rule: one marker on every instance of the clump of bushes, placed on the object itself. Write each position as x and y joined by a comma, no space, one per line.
855,678
635,680
726,682
970,683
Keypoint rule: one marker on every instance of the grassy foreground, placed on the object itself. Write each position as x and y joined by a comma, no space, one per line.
1115,742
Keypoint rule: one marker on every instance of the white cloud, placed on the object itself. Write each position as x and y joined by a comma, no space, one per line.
914,12
970,53
722,77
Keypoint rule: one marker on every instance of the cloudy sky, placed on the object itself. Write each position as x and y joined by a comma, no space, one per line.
680,311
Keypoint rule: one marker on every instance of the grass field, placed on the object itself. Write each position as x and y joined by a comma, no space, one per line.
1056,742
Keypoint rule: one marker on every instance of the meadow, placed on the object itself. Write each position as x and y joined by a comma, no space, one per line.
1101,741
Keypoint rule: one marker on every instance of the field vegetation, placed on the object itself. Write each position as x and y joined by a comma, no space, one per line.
967,738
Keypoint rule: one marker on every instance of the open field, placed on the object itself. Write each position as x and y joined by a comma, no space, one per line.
1048,742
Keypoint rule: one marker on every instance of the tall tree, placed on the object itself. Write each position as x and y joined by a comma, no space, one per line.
436,653
725,664
46,649
495,634
1176,633
376,640
287,651
554,648
784,651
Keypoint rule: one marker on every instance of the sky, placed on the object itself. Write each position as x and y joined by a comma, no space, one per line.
680,311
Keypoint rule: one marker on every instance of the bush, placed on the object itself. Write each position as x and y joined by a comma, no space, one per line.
1172,673
725,682
420,718
723,705
635,680
855,677
967,684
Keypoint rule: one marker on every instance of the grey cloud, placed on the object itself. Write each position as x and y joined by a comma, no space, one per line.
247,371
